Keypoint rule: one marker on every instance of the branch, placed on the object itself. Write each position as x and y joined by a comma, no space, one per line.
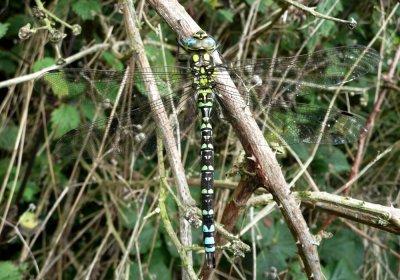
161,119
371,119
352,23
376,215
69,60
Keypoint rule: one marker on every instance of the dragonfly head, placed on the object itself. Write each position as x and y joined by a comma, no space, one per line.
199,41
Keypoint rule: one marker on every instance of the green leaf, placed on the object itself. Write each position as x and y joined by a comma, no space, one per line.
86,8
158,268
4,163
59,86
145,239
43,63
276,247
344,246
296,271
3,29
31,189
331,159
7,138
155,54
16,22
342,271
9,271
64,119
226,14
301,151
7,65
134,271
113,61
88,110
328,27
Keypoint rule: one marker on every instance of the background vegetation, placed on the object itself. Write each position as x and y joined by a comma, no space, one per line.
121,203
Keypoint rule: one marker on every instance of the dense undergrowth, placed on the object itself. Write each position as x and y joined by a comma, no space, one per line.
88,222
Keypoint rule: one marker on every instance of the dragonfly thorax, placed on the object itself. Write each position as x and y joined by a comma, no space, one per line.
203,71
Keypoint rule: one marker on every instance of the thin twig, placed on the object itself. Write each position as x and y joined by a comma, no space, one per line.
376,215
312,11
161,118
371,119
365,169
68,60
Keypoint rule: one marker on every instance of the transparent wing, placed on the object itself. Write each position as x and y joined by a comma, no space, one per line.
101,86
131,129
126,133
288,122
289,77
304,123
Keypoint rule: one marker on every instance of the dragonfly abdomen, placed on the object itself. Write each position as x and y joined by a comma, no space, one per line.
202,65
205,100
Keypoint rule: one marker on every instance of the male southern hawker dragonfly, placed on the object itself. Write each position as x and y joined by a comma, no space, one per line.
270,87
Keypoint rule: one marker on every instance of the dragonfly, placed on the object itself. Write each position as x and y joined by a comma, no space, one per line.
192,93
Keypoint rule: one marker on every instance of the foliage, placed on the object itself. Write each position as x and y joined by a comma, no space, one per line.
86,9
3,29
114,201
9,271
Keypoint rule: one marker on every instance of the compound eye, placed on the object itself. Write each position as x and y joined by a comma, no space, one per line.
193,43
209,43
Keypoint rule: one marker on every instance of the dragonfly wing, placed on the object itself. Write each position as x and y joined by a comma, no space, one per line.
114,134
132,128
300,75
295,123
100,87
290,122
127,133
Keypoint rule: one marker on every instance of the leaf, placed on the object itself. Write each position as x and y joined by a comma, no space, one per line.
64,119
88,110
226,14
60,87
134,271
16,22
296,271
9,271
145,239
8,135
113,61
269,261
86,8
331,159
4,164
31,189
3,29
7,65
276,246
43,63
155,54
158,268
342,271
328,27
344,246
